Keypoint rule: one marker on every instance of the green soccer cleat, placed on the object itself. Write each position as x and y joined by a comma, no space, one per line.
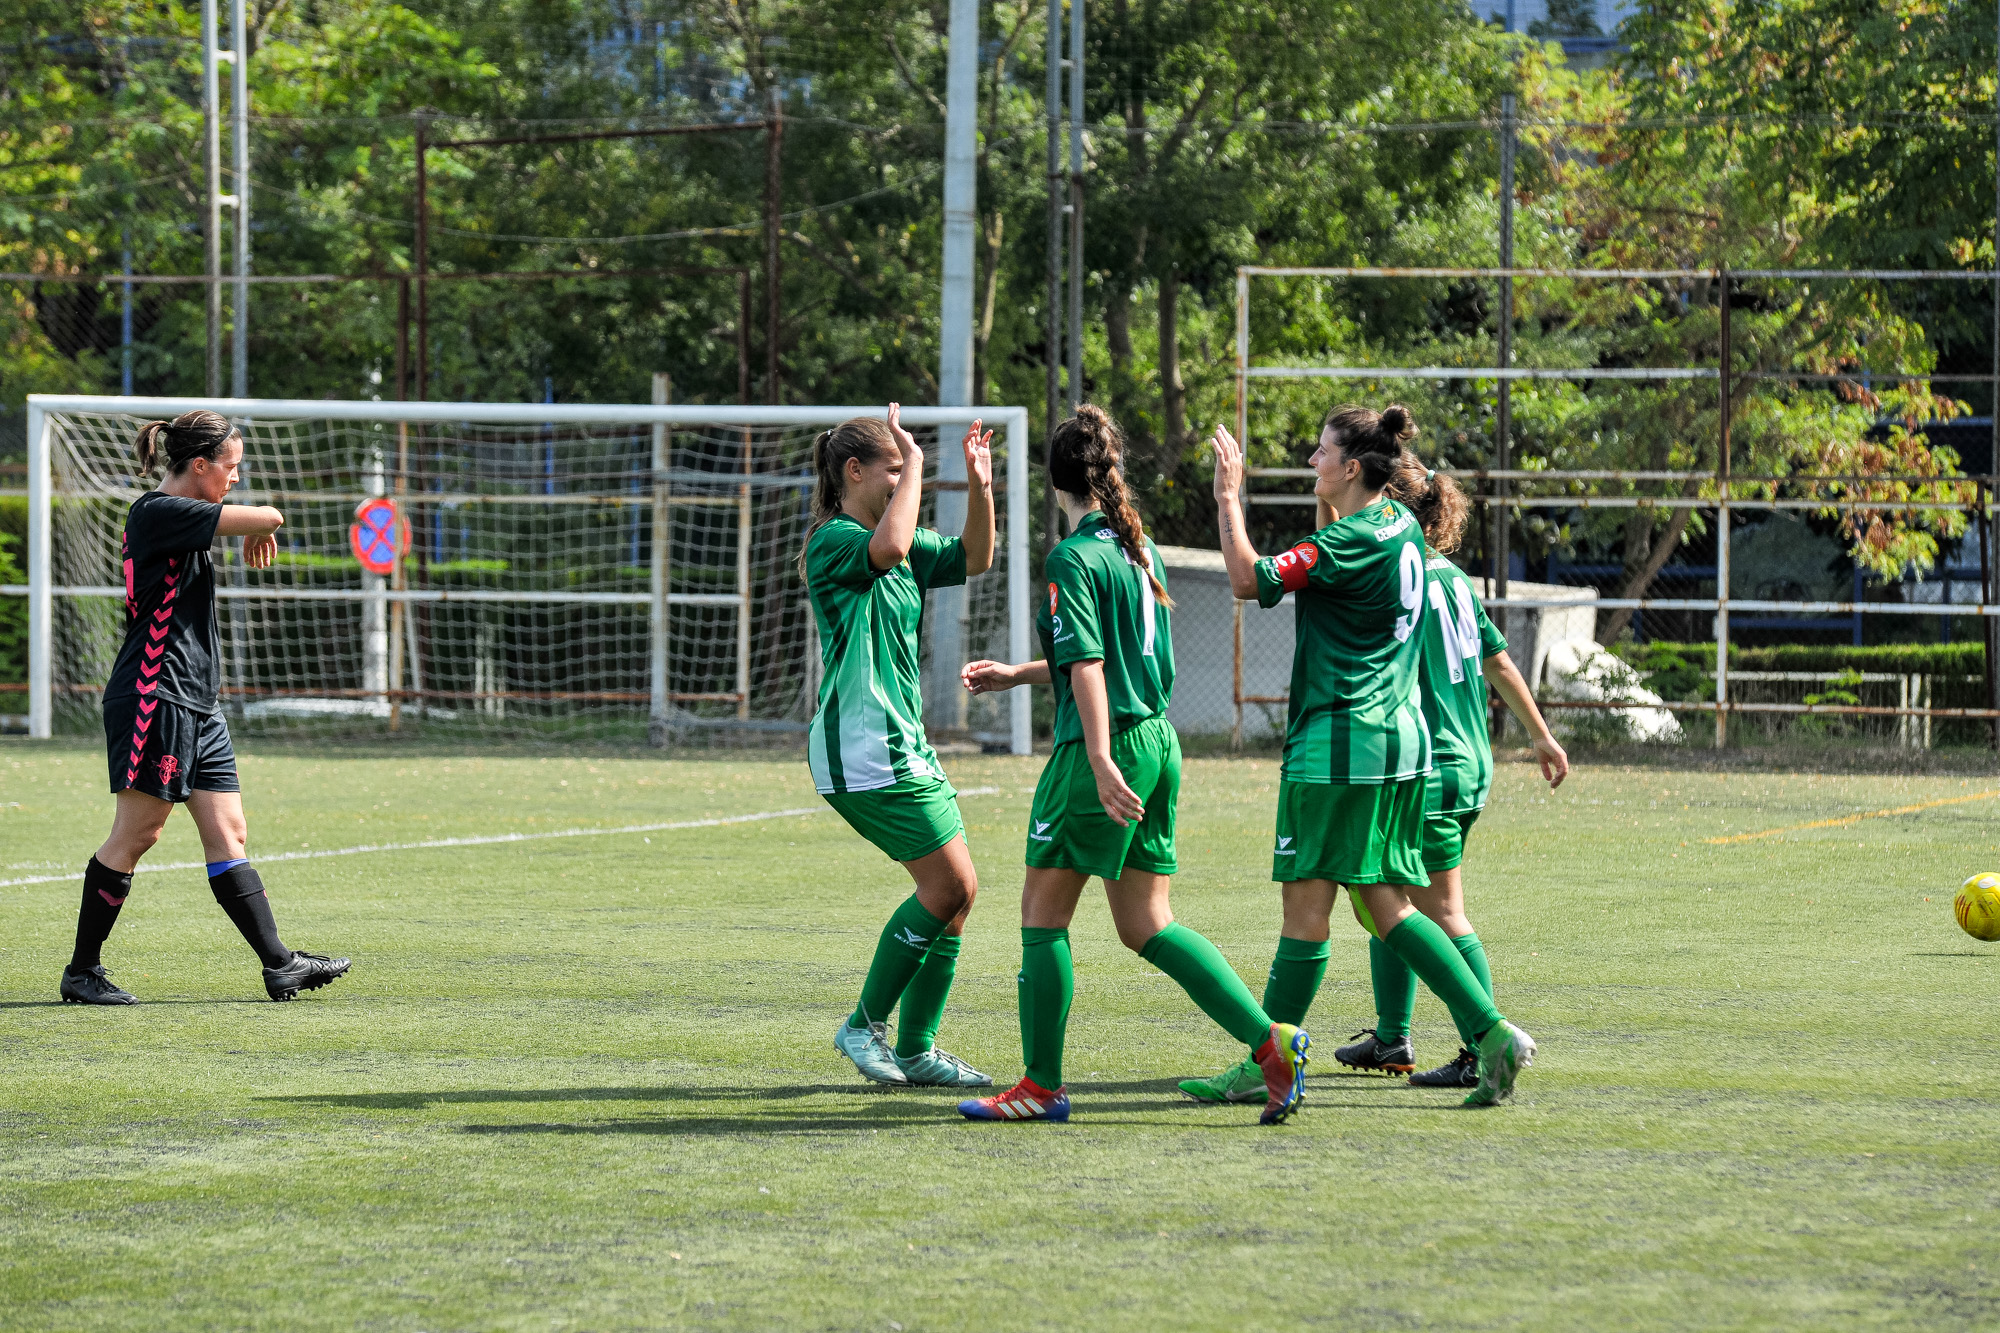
1241,1082
869,1049
941,1069
1504,1052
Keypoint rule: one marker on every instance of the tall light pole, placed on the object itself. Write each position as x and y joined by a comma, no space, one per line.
212,161
239,118
1075,204
961,202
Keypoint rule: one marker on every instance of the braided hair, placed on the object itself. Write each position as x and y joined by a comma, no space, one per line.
1373,439
191,435
1086,454
1436,500
863,438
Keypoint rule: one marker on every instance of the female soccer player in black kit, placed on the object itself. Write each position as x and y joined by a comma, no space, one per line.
163,726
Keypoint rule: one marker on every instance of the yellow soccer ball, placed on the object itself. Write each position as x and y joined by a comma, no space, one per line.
1977,906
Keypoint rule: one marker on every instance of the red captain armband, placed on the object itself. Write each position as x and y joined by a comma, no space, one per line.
1295,565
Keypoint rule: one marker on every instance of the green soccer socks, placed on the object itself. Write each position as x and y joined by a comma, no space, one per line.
1202,972
898,955
1395,991
1296,971
923,1002
1419,942
1045,985
1396,985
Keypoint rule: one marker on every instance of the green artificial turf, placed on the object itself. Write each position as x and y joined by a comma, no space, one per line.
588,1083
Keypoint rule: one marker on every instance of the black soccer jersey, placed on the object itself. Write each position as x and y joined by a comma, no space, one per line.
172,649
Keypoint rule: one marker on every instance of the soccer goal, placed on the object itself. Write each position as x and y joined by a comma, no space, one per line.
511,570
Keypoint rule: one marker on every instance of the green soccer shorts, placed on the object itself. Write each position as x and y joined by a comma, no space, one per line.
1445,832
1350,833
907,821
1068,829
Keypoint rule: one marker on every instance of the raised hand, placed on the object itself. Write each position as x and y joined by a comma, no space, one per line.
258,552
912,455
1228,463
979,456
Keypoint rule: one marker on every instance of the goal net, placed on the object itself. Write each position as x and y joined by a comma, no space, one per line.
615,572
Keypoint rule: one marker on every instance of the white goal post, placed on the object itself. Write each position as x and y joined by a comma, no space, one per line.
576,571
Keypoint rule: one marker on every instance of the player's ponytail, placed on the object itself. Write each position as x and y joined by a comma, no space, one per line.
1373,439
1086,459
191,435
1439,505
862,438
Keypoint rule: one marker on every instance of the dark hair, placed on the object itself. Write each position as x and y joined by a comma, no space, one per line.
862,437
1436,500
1374,439
1086,457
191,435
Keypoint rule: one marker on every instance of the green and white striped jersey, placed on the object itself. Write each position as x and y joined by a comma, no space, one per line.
1356,715
1457,637
868,732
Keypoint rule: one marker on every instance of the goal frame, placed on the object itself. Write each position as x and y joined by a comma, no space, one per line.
1009,425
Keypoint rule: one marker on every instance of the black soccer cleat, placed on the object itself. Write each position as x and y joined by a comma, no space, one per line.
1462,1072
92,986
1372,1053
306,971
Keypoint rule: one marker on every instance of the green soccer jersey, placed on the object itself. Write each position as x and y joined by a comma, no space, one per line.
868,732
1101,605
1356,714
1457,637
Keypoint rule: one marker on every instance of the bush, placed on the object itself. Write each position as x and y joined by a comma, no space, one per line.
13,616
1670,667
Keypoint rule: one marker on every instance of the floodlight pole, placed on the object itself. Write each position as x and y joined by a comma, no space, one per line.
1052,321
944,698
774,143
212,163
420,259
239,120
1075,205
1725,406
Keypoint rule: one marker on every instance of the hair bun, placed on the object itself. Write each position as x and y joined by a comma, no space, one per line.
1397,423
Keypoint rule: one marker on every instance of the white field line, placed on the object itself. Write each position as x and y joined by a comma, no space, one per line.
477,841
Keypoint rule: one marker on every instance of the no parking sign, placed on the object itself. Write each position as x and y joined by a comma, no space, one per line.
379,536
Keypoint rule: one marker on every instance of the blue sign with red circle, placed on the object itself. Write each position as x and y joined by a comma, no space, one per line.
379,535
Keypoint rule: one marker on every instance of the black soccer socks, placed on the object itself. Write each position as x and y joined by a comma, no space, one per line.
241,894
104,892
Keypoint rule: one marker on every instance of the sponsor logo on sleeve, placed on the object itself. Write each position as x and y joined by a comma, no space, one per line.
1052,599
1295,566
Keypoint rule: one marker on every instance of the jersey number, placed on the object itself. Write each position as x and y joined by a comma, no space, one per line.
1461,630
1148,608
1410,570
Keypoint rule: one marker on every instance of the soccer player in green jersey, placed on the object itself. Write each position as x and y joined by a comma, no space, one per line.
867,567
1106,801
1462,652
1357,748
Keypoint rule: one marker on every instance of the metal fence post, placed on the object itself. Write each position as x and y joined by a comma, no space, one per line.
663,536
1013,429
41,577
1724,406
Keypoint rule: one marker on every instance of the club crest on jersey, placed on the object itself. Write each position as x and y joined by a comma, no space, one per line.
1295,565
169,766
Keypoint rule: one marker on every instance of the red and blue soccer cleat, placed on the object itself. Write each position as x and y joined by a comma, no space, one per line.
1026,1100
1282,1057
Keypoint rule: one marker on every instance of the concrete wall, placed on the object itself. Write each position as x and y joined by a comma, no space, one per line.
1205,652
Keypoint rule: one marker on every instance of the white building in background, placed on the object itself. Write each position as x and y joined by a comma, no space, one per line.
1587,29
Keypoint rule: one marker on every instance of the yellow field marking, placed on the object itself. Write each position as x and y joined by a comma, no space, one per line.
1856,819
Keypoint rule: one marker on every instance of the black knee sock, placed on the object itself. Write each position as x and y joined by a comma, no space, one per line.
241,894
104,892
